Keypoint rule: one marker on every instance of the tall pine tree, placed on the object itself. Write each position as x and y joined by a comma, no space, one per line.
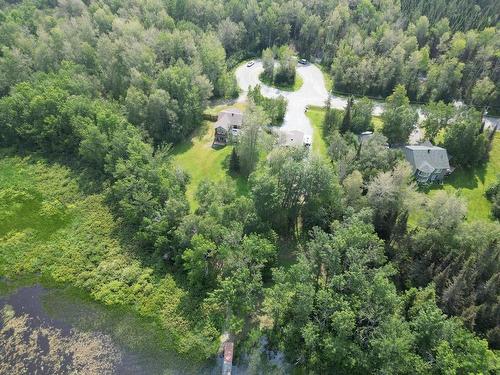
346,121
234,162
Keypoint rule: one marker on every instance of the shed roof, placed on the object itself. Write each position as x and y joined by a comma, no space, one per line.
427,158
229,117
365,136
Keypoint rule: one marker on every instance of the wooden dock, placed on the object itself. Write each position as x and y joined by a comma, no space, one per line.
228,358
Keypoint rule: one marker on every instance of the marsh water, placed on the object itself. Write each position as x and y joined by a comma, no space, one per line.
60,330
123,338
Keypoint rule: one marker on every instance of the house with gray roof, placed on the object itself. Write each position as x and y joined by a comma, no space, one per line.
429,163
294,138
228,125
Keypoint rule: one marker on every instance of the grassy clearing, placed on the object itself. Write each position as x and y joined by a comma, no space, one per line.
297,83
316,116
377,123
214,110
327,77
472,184
203,162
48,227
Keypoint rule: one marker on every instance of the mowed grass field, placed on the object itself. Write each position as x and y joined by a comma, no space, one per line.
316,115
201,161
472,184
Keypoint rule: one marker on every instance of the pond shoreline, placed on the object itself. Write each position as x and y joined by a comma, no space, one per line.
68,310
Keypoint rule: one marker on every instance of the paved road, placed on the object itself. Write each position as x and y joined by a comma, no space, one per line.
312,92
492,122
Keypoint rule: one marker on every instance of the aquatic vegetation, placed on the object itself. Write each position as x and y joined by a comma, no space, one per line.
26,345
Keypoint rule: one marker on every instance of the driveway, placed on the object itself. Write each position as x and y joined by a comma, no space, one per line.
312,92
492,122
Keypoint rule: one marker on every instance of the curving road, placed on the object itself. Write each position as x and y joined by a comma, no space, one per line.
312,92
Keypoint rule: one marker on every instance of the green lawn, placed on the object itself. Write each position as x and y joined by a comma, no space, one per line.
203,162
297,84
316,116
214,110
377,123
327,77
472,184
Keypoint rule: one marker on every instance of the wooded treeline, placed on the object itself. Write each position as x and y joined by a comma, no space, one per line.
107,86
437,49
462,14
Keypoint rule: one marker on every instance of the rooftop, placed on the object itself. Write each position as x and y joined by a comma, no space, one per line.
229,117
291,138
427,158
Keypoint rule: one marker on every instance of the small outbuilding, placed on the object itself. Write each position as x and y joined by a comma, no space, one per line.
363,137
228,125
429,163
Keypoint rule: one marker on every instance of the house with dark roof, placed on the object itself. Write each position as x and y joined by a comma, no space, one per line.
429,163
228,125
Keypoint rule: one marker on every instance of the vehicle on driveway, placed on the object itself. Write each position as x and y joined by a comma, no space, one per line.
250,63
303,61
307,141
312,93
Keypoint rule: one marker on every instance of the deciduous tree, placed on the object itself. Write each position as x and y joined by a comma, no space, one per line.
399,117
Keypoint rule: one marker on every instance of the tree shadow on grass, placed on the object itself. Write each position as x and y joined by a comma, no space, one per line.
467,178
241,184
197,135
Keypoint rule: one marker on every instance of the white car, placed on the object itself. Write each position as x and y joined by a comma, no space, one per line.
307,141
250,63
303,61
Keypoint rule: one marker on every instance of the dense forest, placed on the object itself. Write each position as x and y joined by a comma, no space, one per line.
380,277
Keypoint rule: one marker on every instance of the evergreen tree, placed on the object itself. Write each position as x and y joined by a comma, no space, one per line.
346,121
331,119
234,162
399,117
